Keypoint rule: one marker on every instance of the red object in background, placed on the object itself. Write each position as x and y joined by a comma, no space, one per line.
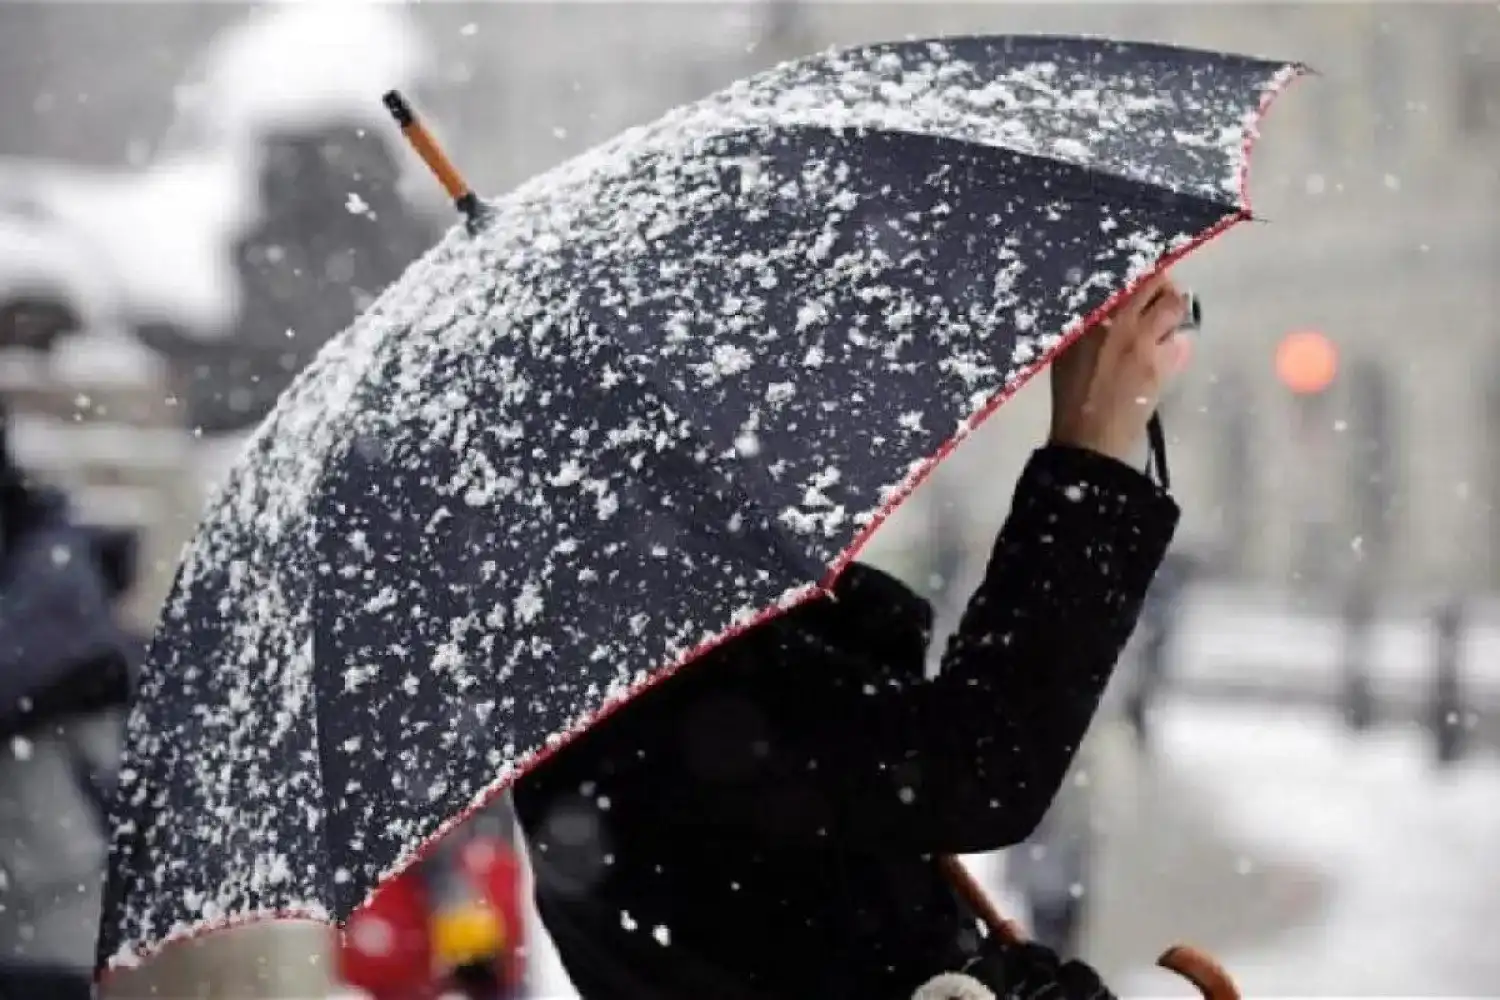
495,869
387,949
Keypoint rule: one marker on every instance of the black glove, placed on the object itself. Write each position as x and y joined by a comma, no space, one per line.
1030,971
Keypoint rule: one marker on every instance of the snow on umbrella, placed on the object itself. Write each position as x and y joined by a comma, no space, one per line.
667,389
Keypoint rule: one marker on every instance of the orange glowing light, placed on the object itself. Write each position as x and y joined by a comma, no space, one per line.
1306,361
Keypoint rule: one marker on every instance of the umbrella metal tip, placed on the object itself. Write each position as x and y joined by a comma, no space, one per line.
397,106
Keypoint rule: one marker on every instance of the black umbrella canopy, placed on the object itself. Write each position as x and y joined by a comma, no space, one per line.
667,391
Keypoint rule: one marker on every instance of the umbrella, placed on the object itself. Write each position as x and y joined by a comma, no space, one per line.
662,392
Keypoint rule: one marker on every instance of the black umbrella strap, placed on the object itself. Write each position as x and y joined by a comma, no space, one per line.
1156,459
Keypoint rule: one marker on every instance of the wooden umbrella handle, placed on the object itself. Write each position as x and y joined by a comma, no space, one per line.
1200,969
1197,967
426,146
973,894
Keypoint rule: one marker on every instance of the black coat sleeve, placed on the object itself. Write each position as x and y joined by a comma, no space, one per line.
971,759
1023,676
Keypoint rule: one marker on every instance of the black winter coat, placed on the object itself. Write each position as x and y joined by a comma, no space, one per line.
766,823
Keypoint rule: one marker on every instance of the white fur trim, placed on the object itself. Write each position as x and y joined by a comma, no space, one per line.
953,986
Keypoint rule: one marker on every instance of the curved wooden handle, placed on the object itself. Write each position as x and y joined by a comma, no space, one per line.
972,893
1197,967
1200,969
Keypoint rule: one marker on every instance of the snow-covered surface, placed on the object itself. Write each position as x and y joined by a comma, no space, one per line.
291,64
1402,854
577,395
165,233
41,255
1225,637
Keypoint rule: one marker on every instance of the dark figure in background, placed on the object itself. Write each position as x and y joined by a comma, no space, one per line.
1235,471
1448,714
332,234
769,823
65,670
1356,647
1161,617
1373,484
1053,870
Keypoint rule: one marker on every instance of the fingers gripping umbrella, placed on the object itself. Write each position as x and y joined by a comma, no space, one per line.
657,394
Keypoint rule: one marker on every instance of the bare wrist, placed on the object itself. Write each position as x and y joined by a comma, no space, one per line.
1110,446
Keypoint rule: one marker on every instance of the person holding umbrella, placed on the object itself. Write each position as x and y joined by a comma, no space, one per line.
769,822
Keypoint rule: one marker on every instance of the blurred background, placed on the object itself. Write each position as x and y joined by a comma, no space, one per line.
1300,765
